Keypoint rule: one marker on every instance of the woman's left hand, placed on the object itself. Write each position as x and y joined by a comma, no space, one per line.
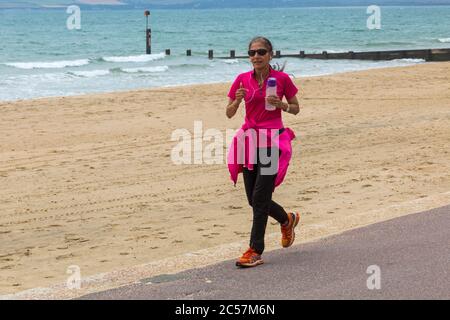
275,101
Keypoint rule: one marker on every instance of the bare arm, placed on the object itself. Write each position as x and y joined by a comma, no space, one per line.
232,107
293,105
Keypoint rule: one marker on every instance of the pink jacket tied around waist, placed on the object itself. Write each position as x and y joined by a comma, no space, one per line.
241,155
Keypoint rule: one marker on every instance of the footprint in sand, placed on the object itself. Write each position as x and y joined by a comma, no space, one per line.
6,258
311,191
65,256
7,267
71,237
240,233
144,228
233,207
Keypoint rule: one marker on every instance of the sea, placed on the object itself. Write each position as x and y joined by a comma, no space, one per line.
41,55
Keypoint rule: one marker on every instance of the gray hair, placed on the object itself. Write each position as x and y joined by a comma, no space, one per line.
264,40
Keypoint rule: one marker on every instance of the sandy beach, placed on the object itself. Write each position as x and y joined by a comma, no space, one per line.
89,181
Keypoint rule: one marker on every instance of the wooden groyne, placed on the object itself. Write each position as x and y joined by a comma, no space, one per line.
425,54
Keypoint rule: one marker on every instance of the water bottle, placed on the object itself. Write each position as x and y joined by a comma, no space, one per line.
271,90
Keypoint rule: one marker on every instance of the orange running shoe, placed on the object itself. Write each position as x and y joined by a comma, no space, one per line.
288,232
250,258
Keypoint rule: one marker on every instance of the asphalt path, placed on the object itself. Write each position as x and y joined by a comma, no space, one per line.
403,258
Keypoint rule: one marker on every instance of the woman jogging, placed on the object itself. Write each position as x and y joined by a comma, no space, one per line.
263,129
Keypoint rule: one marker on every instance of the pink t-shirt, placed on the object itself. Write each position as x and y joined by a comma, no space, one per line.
256,115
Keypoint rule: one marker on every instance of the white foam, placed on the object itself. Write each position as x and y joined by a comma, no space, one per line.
232,61
90,73
146,69
139,58
444,40
33,79
49,65
316,51
410,60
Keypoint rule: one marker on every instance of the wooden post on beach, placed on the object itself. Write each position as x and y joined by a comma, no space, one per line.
277,54
232,54
148,35
210,54
188,52
325,54
429,55
302,54
167,52
351,54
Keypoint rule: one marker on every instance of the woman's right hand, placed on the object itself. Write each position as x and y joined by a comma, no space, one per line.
240,93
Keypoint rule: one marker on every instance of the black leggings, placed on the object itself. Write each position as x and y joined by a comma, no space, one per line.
259,188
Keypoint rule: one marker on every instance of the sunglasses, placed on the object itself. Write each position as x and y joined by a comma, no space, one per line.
261,52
